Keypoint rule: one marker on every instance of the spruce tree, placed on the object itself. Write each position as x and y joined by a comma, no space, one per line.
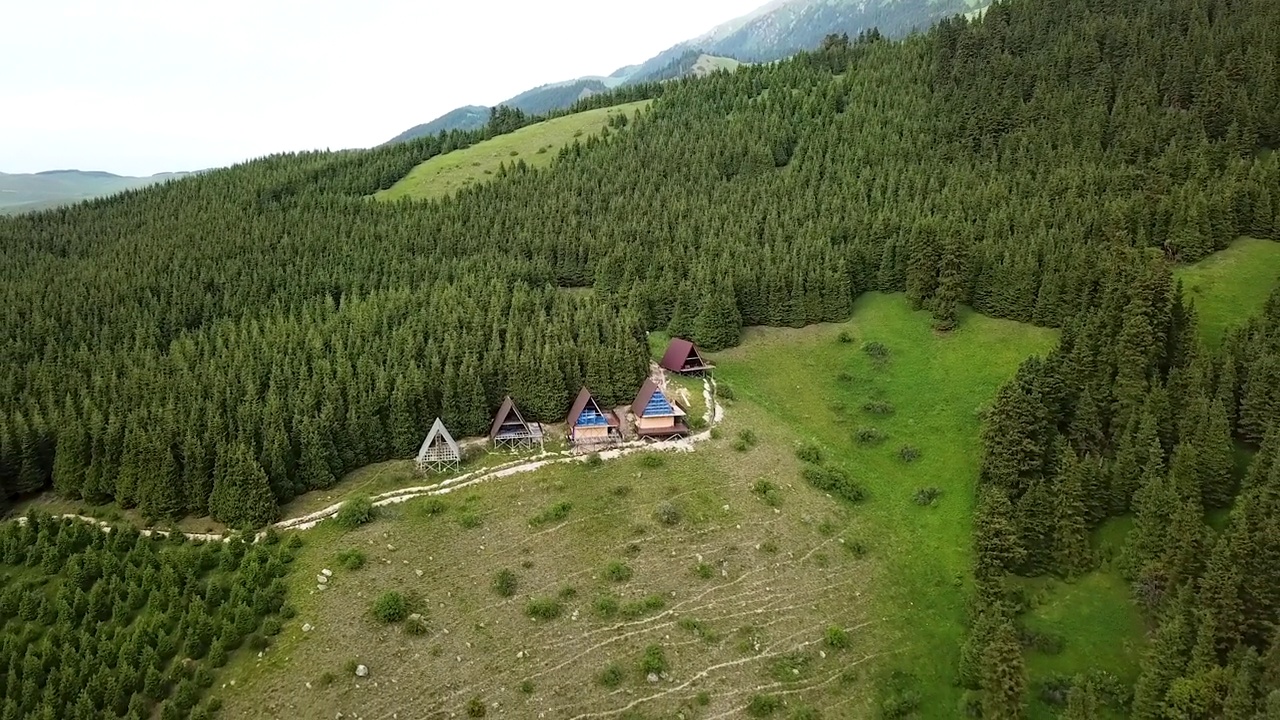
1165,660
1072,555
718,324
1004,676
242,496
71,461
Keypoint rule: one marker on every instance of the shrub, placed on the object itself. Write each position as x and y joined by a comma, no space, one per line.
909,453
652,460
836,481
654,660
433,506
594,460
288,612
526,687
763,705
327,678
844,376
568,592
469,519
769,546
805,712
878,407
703,698
1045,642
767,492
505,583
704,571
543,609
725,390
415,624
1056,689
617,571
639,608
696,422
844,337
836,637
809,453
856,546
876,350
352,559
294,542
667,513
926,496
271,627
257,642
475,708
740,445
606,606
390,607
699,628
356,512
869,435
612,676
621,491
748,436
555,513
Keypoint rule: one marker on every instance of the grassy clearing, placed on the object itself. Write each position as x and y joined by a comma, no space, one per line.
596,595
536,144
813,382
1231,286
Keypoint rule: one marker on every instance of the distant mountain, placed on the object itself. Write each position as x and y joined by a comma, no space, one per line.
774,31
35,191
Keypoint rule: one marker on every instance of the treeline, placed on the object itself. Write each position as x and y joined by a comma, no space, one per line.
115,624
212,329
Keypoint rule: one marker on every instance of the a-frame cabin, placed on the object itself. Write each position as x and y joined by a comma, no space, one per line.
439,452
589,424
510,430
682,357
657,416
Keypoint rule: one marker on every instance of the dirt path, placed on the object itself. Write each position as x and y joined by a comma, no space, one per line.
714,415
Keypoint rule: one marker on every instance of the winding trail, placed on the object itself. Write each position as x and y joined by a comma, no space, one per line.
714,415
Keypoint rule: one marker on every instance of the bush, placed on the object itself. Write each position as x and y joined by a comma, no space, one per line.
725,391
327,678
654,660
475,708
433,506
876,350
652,460
271,627
909,453
1045,642
621,491
617,571
390,607
856,546
748,436
352,559
668,514
355,512
845,337
526,687
639,608
1056,689
805,712
543,609
844,376
704,571
612,676
288,612
869,435
606,606
703,698
568,592
878,407
470,519
740,446
257,642
835,481
809,453
505,583
415,624
594,460
927,496
836,637
767,492
763,705
555,513
294,542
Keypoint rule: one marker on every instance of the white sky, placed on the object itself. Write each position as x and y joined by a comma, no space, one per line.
143,86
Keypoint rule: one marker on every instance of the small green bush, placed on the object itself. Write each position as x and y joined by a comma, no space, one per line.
327,678
433,506
294,542
763,705
640,608
878,407
390,607
355,512
352,559
856,546
505,583
526,687
594,460
836,481
809,453
844,376
654,660
475,708
612,676
845,337
415,624
651,460
704,571
543,609
836,637
617,572
805,712
909,453
606,606
926,496
869,435
555,513
748,436
288,612
470,519
621,491
767,492
725,391
703,698
740,445
568,592
668,514
270,627
876,350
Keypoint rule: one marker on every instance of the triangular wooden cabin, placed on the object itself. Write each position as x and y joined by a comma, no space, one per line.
656,415
510,430
439,452
589,424
682,357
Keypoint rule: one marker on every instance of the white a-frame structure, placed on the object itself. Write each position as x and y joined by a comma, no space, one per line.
439,452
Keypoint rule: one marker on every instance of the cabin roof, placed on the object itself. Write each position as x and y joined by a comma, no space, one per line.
652,402
585,402
438,431
679,351
507,409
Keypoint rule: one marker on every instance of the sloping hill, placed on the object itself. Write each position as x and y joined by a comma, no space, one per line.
468,117
535,145
34,191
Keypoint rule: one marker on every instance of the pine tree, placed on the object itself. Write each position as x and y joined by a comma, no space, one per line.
1004,677
1082,702
241,496
1072,555
1165,660
718,324
71,461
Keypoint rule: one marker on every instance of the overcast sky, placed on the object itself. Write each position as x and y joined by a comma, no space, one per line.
143,86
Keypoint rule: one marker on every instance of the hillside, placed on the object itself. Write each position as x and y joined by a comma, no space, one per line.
25,192
470,117
227,345
776,30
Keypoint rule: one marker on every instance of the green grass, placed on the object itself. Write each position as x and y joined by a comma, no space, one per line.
809,381
1231,286
536,144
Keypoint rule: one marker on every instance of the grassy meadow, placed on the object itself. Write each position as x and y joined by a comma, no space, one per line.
536,144
1231,286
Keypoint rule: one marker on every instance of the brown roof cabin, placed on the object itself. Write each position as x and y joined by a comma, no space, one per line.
656,415
591,425
682,356
510,430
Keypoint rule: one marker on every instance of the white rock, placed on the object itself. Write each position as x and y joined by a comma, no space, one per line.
699,557
308,627
362,670
725,508
520,655
308,686
322,587
391,547
822,653
326,572
322,579
653,677
418,573
259,654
